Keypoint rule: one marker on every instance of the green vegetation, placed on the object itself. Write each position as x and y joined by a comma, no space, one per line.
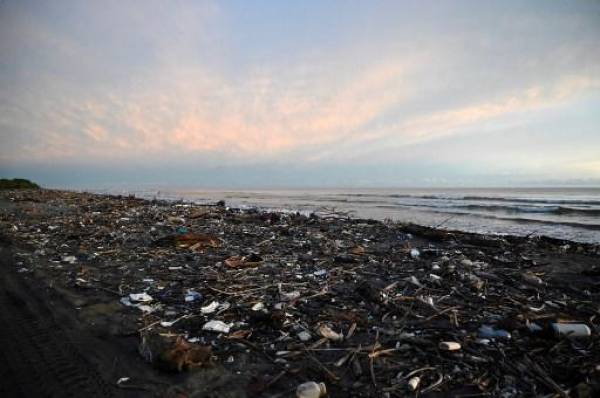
17,183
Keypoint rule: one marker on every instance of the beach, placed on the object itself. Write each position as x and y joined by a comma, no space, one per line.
135,297
571,213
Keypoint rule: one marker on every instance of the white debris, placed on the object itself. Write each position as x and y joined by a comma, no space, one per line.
449,346
210,308
304,336
466,263
311,389
69,259
217,326
140,297
192,296
572,329
328,333
414,253
427,300
126,302
414,382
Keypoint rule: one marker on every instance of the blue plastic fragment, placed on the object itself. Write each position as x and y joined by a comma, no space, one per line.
182,230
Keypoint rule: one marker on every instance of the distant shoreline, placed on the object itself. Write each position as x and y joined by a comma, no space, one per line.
570,214
417,228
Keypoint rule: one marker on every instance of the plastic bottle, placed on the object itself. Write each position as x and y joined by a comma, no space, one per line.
311,389
571,329
413,383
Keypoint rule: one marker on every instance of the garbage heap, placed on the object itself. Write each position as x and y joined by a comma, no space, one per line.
357,307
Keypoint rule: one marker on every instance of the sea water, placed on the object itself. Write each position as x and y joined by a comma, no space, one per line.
565,213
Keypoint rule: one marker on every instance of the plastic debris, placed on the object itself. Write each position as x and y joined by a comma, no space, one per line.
69,259
192,295
217,326
311,389
413,383
304,336
287,297
572,329
466,263
489,332
210,308
449,346
140,297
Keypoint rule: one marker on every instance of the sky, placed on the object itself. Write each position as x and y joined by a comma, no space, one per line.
300,93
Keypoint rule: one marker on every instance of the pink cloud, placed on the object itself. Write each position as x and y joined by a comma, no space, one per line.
264,117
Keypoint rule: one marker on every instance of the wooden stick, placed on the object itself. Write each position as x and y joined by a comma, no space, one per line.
328,372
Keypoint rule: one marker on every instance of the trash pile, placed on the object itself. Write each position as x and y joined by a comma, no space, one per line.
315,306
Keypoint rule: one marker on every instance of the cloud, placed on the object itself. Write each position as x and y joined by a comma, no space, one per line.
120,83
241,124
210,113
416,129
527,100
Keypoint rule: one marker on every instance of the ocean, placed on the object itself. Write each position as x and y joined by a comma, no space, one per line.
565,213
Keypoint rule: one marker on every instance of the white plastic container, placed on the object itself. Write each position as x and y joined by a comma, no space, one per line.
311,389
414,382
449,346
572,329
217,326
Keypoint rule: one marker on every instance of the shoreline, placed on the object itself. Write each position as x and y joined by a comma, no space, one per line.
567,218
355,303
589,247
